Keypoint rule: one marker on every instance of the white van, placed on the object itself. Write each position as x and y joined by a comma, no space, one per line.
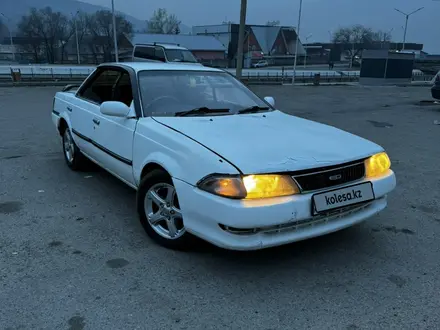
161,52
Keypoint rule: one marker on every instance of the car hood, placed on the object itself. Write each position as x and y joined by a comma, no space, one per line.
273,141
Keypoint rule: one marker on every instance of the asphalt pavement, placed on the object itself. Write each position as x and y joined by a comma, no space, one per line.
73,254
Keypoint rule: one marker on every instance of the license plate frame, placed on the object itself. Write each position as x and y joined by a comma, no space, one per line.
315,210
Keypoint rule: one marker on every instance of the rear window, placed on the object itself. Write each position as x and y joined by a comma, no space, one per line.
144,52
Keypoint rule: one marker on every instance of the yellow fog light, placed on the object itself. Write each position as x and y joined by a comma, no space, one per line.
268,185
377,165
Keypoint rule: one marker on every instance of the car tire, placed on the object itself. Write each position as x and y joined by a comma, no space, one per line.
75,160
435,93
161,216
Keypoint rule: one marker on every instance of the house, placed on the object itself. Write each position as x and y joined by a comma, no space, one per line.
340,51
317,54
274,43
98,49
33,50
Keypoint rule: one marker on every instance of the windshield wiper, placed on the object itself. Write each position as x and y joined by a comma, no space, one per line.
201,110
253,109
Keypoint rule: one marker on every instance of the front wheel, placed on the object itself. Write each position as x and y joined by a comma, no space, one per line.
72,155
159,211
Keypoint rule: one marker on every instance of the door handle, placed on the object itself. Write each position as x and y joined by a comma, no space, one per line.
69,109
96,121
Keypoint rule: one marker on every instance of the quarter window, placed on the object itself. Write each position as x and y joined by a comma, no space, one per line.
144,52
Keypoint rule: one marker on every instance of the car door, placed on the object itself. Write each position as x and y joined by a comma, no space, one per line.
97,89
114,135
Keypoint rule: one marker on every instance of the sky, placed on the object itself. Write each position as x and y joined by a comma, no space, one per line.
319,17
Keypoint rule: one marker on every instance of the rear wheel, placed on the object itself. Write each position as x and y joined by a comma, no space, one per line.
72,155
159,211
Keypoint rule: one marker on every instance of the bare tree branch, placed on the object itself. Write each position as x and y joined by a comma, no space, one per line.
273,23
356,37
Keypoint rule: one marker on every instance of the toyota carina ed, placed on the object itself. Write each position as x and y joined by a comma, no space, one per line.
209,158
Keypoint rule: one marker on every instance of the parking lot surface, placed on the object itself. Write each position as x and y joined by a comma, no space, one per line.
73,254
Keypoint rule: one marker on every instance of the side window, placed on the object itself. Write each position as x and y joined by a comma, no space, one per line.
144,52
100,88
159,54
123,91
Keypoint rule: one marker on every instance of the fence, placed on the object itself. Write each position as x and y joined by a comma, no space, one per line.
79,73
300,77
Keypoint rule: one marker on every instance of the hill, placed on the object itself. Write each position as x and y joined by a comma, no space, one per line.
67,7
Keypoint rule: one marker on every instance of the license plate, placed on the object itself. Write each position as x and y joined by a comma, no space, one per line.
334,199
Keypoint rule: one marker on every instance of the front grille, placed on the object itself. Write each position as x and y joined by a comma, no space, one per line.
330,177
299,225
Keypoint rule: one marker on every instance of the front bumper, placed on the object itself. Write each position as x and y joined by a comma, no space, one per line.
56,119
257,224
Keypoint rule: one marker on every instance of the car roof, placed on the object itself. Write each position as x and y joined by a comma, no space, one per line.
154,66
164,45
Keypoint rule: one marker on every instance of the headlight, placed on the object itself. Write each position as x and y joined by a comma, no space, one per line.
250,186
231,187
377,165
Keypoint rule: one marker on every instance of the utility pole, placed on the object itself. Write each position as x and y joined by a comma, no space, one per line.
115,37
239,68
10,37
305,58
77,40
406,22
249,57
352,54
297,41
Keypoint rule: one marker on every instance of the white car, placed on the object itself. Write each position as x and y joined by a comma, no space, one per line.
160,52
209,158
261,64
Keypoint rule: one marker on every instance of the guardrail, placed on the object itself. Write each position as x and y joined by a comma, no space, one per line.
300,77
37,71
248,78
78,74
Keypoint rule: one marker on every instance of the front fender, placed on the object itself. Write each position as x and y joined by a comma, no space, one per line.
168,163
59,110
182,157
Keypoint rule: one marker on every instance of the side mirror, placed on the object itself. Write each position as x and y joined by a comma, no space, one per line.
270,100
114,109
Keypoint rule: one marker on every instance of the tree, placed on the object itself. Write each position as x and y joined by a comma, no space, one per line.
100,28
80,24
46,32
163,23
357,37
382,36
29,28
273,23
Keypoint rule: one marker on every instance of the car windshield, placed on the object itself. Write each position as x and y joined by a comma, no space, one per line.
180,55
170,92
